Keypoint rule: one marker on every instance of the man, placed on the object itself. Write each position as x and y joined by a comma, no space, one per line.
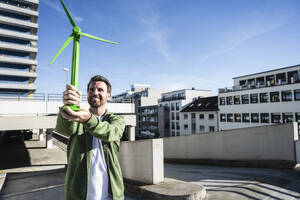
94,139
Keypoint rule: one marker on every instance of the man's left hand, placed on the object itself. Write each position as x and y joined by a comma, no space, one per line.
77,116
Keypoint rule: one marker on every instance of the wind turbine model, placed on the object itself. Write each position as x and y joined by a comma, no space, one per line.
76,34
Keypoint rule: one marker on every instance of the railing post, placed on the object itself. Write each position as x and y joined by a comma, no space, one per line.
131,133
41,134
49,143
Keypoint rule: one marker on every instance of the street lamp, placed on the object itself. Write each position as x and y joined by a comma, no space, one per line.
66,70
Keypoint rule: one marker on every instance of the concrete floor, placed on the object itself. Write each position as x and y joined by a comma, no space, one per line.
224,183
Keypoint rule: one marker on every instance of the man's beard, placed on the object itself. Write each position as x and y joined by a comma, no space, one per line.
96,102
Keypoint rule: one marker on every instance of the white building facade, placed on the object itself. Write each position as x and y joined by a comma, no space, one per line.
174,101
261,99
200,116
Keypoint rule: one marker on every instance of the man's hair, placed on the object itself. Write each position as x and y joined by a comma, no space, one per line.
100,78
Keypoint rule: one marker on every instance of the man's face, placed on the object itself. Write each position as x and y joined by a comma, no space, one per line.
97,94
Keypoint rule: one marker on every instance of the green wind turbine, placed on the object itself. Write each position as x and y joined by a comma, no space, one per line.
75,36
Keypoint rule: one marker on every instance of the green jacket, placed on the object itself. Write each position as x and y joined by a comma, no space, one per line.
79,153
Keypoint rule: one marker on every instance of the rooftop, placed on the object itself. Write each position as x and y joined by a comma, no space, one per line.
202,104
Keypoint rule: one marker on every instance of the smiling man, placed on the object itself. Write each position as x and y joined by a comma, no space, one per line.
94,139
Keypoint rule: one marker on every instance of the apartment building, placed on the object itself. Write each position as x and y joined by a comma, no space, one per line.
169,109
200,116
263,98
18,46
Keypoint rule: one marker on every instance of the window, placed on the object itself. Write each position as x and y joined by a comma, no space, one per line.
297,117
177,106
186,127
245,99
202,129
236,99
286,95
172,106
230,117
246,117
177,116
229,100
177,126
211,116
173,133
264,118
264,97
260,81
287,117
254,118
178,133
223,117
253,98
167,125
173,125
275,118
185,116
193,115
211,129
274,96
270,80
237,117
173,117
280,78
297,95
222,101
201,116
293,77
193,128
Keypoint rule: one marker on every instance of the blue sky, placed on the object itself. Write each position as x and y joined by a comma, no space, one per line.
170,44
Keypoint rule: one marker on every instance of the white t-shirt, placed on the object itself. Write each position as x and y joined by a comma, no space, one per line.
98,180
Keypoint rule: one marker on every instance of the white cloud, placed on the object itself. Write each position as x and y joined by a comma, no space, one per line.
59,9
157,35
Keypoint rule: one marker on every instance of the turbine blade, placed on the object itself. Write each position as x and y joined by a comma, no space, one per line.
96,38
68,14
62,48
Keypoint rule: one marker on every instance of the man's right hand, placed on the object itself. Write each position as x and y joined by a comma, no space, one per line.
71,96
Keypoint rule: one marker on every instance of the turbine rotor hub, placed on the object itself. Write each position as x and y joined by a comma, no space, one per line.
76,31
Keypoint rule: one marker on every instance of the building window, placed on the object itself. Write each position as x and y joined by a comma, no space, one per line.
229,100
275,118
287,117
186,127
177,116
177,106
297,95
211,116
193,128
173,117
246,117
167,125
297,117
237,117
211,129
229,117
223,117
173,125
264,118
178,133
245,99
274,97
172,106
177,126
201,116
253,98
193,115
185,116
264,97
236,99
202,129
281,78
286,95
173,133
222,101
254,118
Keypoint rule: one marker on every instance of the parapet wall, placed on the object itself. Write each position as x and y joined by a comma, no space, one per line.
273,144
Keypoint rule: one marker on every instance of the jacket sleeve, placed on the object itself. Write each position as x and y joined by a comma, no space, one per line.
65,127
108,131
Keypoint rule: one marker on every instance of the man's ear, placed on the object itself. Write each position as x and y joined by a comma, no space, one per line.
109,95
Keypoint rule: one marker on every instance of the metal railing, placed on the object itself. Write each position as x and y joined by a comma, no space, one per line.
34,97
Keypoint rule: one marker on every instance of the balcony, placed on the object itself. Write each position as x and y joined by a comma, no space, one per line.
18,35
164,99
18,10
18,23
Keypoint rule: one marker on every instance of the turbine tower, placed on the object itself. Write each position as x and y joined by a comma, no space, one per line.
75,36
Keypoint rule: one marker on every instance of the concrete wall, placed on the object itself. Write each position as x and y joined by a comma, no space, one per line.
274,142
34,107
297,143
142,160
